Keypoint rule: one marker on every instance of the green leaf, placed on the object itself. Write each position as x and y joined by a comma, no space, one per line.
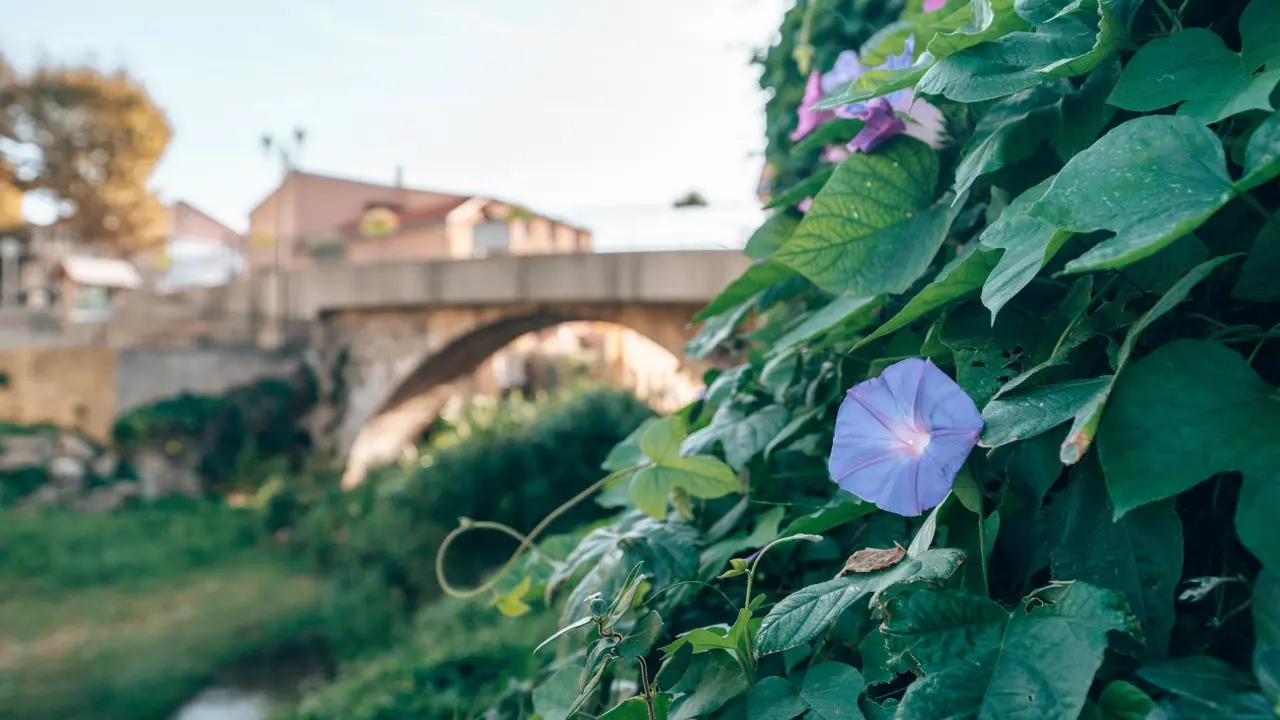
628,453
1260,276
1124,701
871,230
715,331
712,684
512,604
1110,37
742,433
980,660
579,623
846,312
1260,33
1009,132
1139,555
701,477
841,510
1206,680
1159,75
1151,181
1262,154
1226,101
636,709
803,189
877,83
757,277
674,668
1155,444
830,692
1028,244
774,699
961,276
771,235
642,636
1085,113
806,613
650,488
988,20
553,698
1016,62
661,441
1025,414
1090,415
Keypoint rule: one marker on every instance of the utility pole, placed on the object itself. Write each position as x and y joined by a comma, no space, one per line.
287,151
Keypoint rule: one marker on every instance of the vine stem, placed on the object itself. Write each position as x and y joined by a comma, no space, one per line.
525,540
751,574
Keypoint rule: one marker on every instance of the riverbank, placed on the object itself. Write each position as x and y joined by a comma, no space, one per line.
173,597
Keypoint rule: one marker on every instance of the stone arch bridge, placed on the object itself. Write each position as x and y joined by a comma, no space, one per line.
388,341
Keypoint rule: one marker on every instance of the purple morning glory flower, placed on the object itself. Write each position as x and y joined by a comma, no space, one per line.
883,115
808,119
846,69
901,437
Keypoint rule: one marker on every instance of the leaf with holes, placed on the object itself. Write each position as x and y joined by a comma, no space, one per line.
980,660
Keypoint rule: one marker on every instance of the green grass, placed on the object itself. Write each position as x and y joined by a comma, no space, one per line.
134,651
122,617
65,550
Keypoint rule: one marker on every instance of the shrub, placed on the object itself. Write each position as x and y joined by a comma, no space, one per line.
461,661
1089,271
240,437
511,465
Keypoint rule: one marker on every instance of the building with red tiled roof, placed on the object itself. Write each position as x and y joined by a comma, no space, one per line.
317,218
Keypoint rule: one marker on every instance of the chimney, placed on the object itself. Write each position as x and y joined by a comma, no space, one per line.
399,176
400,192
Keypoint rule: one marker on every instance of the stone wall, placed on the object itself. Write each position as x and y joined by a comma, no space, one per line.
145,375
89,387
67,387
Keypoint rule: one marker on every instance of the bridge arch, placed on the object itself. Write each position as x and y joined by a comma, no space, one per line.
390,406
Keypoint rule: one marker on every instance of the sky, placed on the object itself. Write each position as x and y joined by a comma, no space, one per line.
598,111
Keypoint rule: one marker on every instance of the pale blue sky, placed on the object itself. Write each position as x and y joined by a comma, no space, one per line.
599,110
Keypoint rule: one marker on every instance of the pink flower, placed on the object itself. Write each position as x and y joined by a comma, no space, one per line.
808,118
804,205
933,5
883,115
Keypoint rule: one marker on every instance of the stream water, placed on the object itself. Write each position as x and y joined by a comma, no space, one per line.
258,686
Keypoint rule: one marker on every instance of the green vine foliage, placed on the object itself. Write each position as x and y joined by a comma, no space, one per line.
1088,245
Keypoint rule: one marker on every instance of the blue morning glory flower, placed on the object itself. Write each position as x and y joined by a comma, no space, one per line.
901,437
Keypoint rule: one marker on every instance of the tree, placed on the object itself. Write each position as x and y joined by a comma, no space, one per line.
89,142
691,199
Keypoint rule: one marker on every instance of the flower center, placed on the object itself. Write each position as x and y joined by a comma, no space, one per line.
916,441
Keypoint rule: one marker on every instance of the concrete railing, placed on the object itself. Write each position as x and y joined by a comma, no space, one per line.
684,277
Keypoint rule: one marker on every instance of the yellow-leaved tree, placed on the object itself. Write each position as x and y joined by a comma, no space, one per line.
87,141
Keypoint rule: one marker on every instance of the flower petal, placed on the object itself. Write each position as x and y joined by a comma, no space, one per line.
846,69
945,406
882,124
